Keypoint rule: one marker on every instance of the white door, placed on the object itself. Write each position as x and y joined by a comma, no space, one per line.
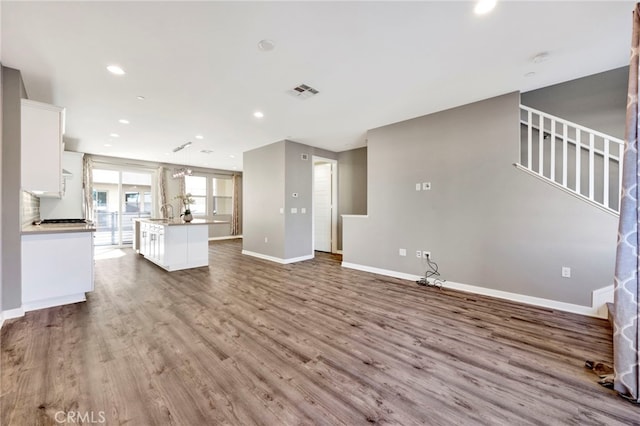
322,206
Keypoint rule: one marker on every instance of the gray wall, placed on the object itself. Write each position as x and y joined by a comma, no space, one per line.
263,196
12,91
271,174
597,101
299,180
352,185
486,223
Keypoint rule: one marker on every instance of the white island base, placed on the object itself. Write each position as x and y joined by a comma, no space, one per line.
174,245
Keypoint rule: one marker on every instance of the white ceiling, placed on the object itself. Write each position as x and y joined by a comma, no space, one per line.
374,63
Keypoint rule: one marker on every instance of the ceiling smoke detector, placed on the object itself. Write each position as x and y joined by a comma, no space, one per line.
303,91
266,45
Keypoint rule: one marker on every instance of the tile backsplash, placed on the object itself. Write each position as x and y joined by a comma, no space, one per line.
30,208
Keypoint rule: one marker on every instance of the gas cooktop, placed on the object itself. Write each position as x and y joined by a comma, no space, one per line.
59,221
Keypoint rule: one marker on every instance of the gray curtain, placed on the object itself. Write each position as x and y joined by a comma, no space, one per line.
162,189
87,187
235,218
626,335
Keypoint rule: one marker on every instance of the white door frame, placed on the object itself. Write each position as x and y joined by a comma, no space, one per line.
334,202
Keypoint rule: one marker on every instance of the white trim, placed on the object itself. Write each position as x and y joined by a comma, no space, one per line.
56,301
228,237
355,215
567,190
379,271
593,311
334,201
277,259
10,314
600,298
339,251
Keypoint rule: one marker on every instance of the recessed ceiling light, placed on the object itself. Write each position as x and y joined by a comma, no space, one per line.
115,69
114,135
232,156
258,114
199,137
484,6
266,45
107,145
123,121
140,98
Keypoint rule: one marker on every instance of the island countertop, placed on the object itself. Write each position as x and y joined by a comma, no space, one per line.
180,222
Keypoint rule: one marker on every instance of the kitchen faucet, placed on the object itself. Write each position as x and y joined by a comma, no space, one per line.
165,209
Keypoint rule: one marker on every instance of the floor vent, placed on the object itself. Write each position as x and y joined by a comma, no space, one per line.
303,91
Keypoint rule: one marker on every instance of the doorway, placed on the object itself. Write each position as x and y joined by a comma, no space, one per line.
119,196
325,205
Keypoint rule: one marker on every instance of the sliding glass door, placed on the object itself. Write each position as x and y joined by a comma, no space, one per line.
119,196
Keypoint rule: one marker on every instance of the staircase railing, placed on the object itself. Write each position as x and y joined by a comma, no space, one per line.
582,161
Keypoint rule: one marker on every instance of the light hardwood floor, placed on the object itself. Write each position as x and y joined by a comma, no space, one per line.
247,341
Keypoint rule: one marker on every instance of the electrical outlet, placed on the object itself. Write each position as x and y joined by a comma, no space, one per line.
419,254
566,272
426,254
402,252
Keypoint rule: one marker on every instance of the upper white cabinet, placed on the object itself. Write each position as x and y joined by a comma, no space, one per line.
41,156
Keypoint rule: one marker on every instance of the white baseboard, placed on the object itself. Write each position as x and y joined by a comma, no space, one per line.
339,251
227,237
599,296
379,271
277,259
57,301
10,314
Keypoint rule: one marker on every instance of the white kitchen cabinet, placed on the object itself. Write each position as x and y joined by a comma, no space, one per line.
42,126
57,268
175,246
70,205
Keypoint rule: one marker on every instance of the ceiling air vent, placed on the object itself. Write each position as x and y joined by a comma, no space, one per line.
303,91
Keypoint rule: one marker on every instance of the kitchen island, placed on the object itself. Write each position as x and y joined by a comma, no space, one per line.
57,264
173,244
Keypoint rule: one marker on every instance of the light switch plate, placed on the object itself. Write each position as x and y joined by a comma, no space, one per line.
417,187
402,252
294,210
303,210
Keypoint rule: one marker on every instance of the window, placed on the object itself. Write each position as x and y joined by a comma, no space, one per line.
222,195
197,187
100,200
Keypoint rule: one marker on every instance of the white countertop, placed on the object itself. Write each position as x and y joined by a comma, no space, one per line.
57,228
180,222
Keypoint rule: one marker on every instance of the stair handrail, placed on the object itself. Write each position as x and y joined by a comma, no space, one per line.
557,123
